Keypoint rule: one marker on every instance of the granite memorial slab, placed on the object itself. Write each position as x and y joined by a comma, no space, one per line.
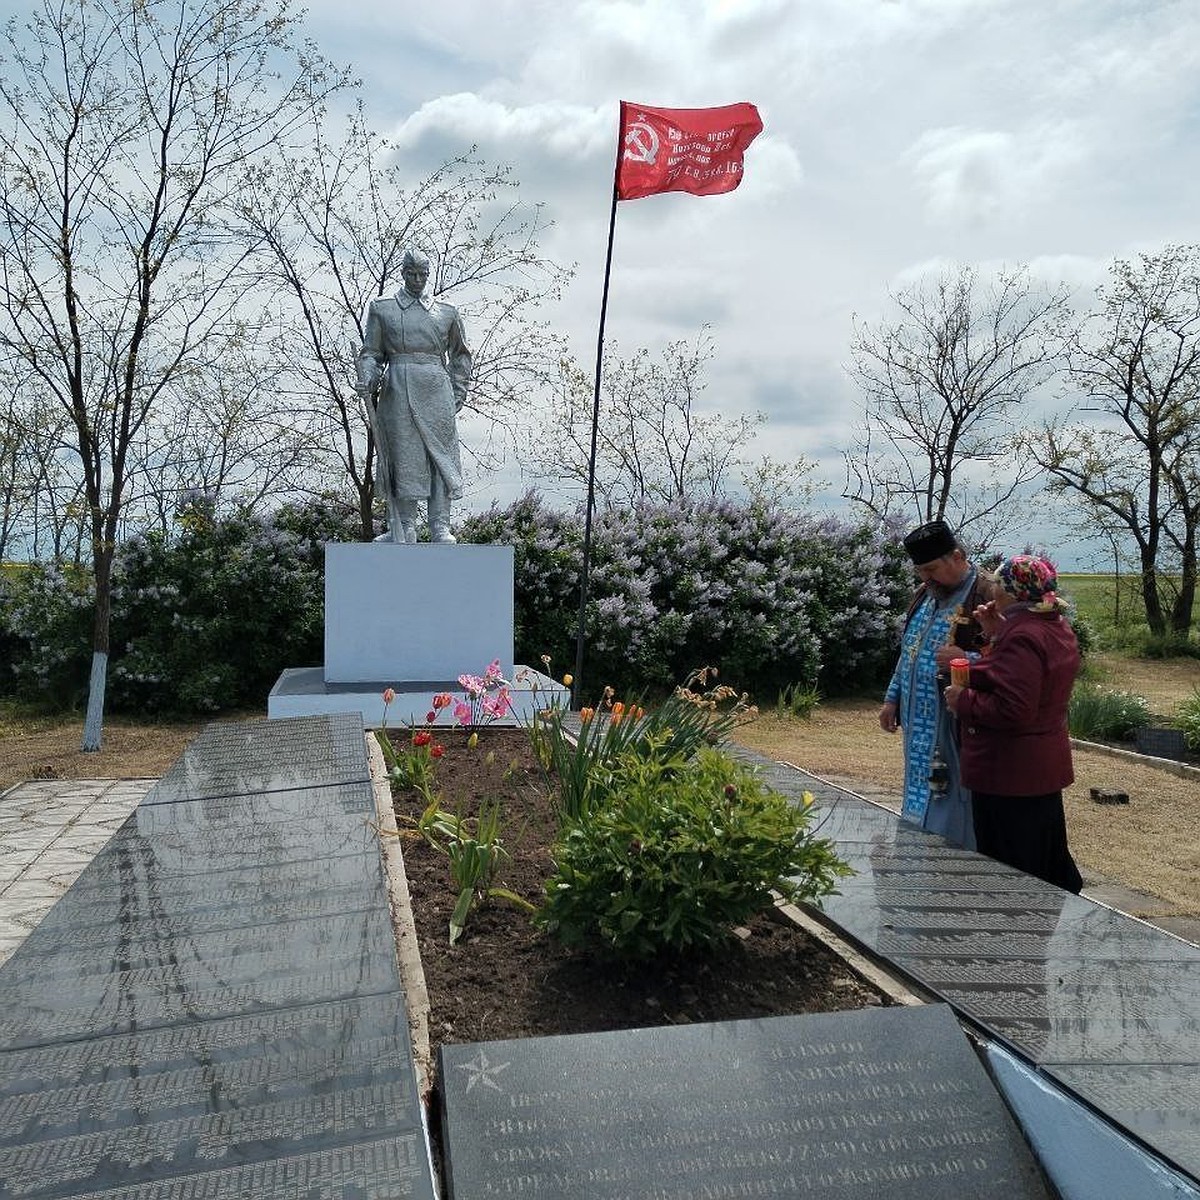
241,758
140,950
886,1102
185,839
145,894
1105,1004
151,1009
862,823
214,1008
339,1031
1157,1102
323,1075
1106,1021
1081,931
396,1165
69,924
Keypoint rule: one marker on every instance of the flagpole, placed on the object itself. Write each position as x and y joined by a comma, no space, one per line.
576,683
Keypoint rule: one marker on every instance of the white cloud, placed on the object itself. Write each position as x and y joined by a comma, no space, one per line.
900,135
566,130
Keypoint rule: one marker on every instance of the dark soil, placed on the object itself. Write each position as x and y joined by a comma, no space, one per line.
504,979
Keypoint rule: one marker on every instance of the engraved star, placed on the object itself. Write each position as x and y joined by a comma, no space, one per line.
482,1071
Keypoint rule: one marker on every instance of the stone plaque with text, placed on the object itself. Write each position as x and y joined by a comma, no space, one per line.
883,1102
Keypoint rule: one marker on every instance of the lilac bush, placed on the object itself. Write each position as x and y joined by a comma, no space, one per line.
204,618
207,617
772,597
46,616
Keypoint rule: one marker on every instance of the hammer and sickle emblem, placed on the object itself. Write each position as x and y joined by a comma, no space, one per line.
641,143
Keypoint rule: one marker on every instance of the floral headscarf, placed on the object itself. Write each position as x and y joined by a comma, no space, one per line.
1030,579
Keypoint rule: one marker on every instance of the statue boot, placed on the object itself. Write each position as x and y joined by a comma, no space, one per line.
402,521
406,514
439,514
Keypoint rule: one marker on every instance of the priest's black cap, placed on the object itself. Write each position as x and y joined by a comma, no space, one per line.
930,541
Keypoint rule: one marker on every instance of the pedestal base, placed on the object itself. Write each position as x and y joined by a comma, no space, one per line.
304,692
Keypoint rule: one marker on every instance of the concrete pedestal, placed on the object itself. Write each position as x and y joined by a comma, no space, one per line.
412,618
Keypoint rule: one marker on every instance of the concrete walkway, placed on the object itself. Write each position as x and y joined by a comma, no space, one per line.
49,831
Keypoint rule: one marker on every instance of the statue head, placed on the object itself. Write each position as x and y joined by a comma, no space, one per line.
415,268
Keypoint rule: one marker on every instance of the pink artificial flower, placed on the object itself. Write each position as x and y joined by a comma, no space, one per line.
463,713
492,674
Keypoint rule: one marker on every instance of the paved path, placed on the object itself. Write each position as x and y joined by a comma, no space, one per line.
49,831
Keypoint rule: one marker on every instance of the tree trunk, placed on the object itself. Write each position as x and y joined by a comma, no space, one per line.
1151,599
1181,610
366,499
93,726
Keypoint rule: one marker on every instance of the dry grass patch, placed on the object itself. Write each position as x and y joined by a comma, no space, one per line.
48,748
1163,683
1152,843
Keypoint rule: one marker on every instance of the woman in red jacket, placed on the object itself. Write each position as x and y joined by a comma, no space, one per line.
1015,753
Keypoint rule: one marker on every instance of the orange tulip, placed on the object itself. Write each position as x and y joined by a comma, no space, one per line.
586,714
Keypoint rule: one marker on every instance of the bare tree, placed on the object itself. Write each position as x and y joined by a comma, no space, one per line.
39,496
653,441
942,383
221,431
125,131
1129,455
332,223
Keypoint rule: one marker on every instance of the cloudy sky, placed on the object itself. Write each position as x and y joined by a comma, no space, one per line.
900,135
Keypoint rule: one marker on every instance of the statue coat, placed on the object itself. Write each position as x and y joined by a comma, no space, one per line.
415,351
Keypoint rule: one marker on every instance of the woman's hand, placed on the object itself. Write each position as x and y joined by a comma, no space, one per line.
951,695
988,618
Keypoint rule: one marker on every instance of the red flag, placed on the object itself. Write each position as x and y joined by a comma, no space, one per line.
697,150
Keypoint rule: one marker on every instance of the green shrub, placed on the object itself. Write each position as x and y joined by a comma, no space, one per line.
797,700
206,618
680,852
1105,713
1168,645
1187,718
47,614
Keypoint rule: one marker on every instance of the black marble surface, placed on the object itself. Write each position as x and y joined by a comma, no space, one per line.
885,1102
214,1008
1106,1004
245,757
1157,1102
